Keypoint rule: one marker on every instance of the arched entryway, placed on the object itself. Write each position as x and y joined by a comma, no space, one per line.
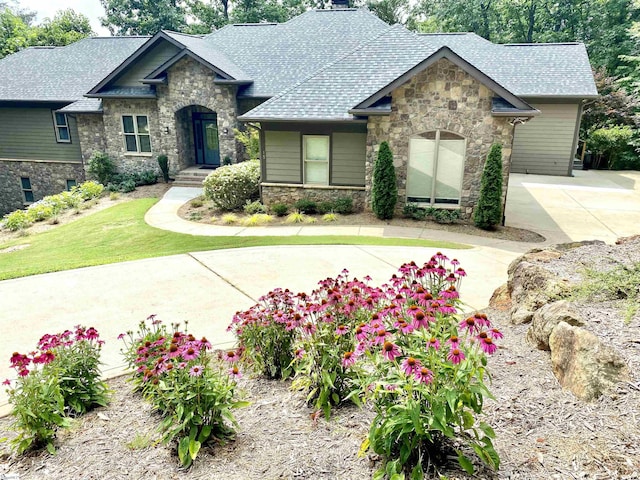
198,138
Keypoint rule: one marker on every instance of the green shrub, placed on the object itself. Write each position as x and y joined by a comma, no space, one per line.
127,186
488,211
251,141
88,190
229,187
413,211
343,205
614,145
280,209
251,208
441,215
305,205
226,160
15,221
384,194
330,217
196,202
146,177
70,199
101,167
163,163
325,207
39,211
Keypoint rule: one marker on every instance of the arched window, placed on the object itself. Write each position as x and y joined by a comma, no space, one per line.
436,166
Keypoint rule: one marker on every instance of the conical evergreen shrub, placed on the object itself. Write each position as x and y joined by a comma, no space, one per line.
488,211
384,194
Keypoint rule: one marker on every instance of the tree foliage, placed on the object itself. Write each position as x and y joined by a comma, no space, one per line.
17,30
488,211
384,194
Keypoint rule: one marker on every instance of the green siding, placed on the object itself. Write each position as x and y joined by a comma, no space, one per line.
28,134
544,144
349,152
282,157
146,64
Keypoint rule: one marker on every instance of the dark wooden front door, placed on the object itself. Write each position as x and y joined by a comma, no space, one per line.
205,133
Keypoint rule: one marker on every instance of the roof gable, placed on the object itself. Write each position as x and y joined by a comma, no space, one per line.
446,52
176,46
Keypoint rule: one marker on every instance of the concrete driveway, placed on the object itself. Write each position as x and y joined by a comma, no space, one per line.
592,204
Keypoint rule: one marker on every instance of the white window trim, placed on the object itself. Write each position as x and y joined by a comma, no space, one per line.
57,126
23,190
304,159
136,135
432,202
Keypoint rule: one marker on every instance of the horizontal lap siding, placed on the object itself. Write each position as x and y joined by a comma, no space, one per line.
349,156
147,64
28,134
544,144
282,157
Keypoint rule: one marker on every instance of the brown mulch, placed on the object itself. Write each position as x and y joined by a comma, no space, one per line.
209,215
543,432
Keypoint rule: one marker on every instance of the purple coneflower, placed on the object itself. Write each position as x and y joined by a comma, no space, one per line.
341,330
470,325
380,336
231,356
410,366
421,321
235,372
455,356
495,334
433,343
348,359
196,371
454,341
424,375
299,353
390,351
189,353
486,343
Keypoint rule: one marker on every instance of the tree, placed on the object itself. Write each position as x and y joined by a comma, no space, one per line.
488,211
66,27
384,194
391,11
15,34
143,17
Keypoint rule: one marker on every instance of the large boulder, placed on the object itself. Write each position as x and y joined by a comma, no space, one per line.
547,318
532,286
582,363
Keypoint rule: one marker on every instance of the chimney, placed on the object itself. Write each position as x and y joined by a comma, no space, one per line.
335,4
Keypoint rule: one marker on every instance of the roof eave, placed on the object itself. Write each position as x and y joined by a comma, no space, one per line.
244,118
224,81
516,113
133,95
561,97
369,111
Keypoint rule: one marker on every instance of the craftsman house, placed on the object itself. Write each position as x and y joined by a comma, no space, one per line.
324,89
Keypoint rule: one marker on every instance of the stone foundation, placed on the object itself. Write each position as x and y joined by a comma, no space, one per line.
273,193
47,178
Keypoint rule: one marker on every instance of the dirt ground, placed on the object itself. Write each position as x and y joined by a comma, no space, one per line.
542,431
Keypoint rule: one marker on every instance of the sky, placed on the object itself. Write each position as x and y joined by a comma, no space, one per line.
48,8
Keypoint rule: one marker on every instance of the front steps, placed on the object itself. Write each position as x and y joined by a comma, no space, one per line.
191,177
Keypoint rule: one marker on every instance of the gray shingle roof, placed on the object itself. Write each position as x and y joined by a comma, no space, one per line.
63,74
330,92
85,105
527,70
278,56
199,47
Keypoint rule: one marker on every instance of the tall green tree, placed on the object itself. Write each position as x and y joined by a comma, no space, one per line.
488,211
384,192
67,26
15,34
143,17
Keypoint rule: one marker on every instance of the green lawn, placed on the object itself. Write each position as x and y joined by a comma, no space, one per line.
120,233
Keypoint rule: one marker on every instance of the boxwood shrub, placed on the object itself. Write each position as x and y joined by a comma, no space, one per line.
231,186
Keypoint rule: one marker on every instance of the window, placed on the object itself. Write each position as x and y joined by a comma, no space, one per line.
315,152
136,133
70,184
61,124
27,191
436,166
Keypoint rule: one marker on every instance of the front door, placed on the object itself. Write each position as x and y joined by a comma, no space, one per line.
205,136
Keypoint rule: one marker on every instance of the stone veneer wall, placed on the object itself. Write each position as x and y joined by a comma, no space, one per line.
289,194
192,84
91,134
114,138
442,97
47,178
